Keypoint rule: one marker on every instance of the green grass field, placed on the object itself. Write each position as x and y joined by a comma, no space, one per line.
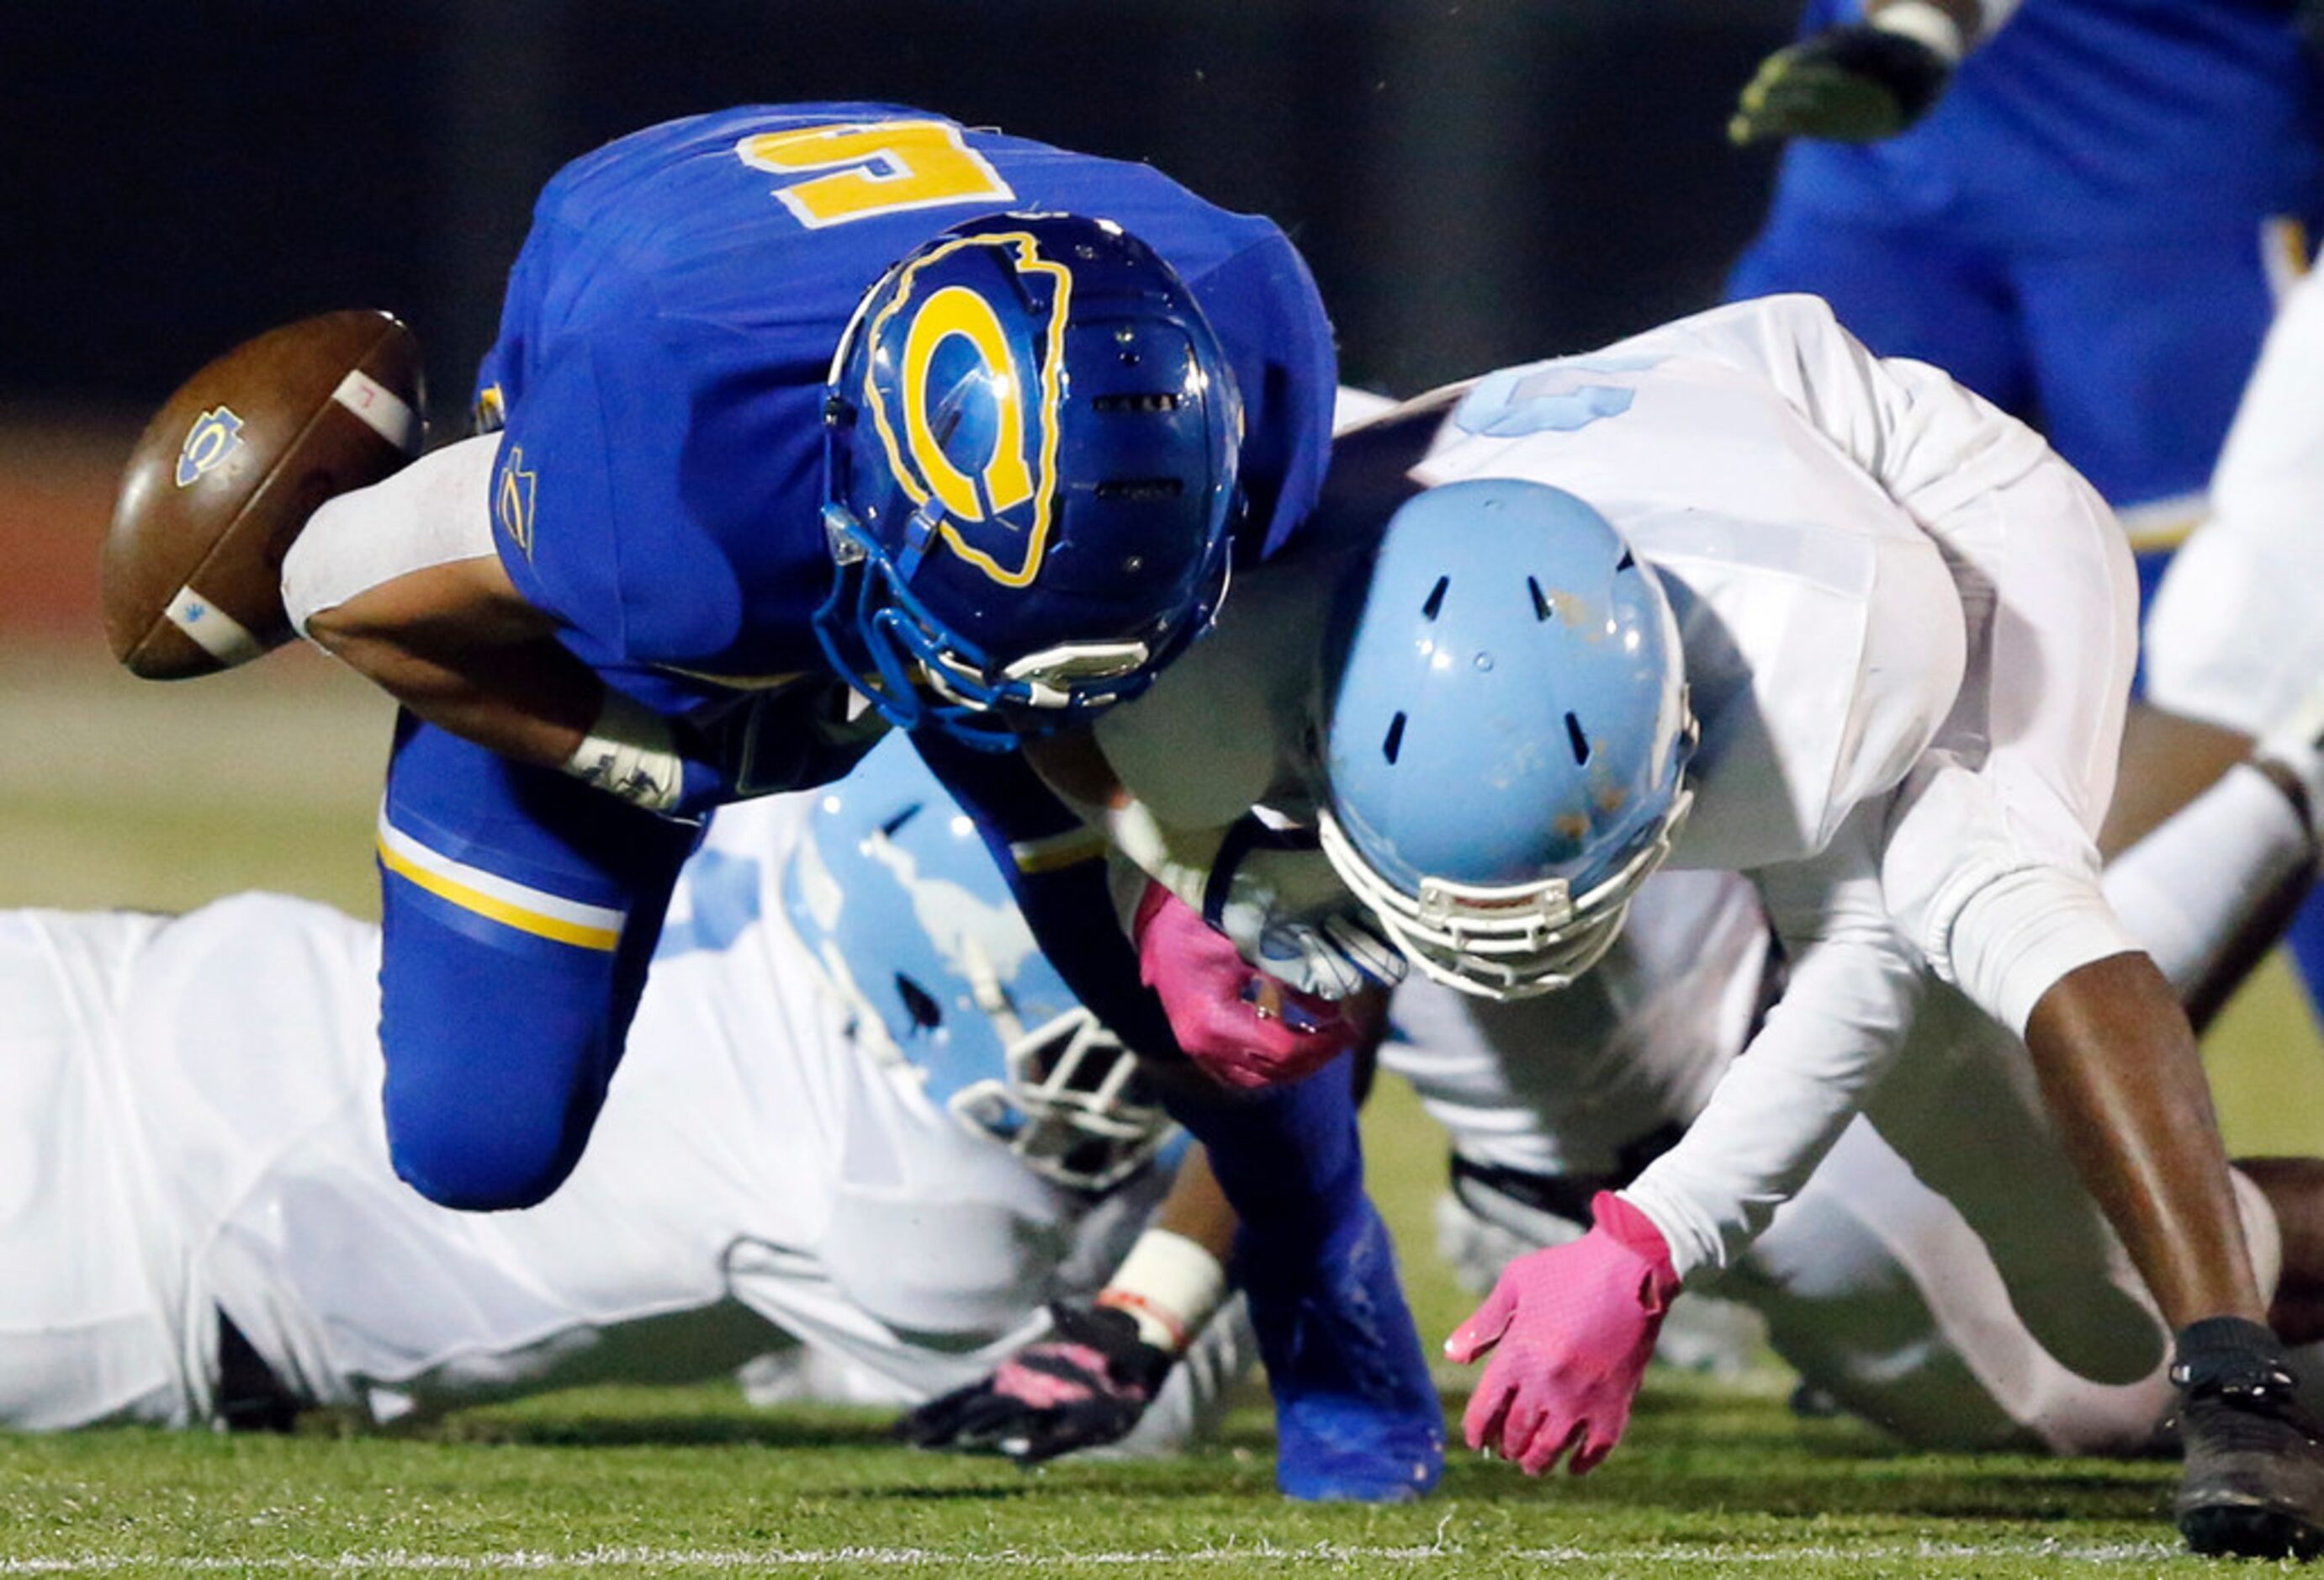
116,793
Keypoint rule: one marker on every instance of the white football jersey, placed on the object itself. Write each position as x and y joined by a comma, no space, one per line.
1567,1083
189,1120
1907,629
1824,637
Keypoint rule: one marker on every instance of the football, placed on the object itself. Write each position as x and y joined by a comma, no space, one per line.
224,476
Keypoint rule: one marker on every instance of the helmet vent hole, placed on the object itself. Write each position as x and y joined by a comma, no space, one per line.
920,1003
1394,741
1627,560
1577,740
1541,609
895,825
1161,401
1140,490
1435,597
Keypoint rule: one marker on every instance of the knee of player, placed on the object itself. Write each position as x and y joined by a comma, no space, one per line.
484,1166
492,1120
2016,936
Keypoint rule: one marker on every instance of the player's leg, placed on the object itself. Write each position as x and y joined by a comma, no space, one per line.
519,910
1964,1111
2294,1188
2213,888
2139,354
96,1322
1903,292
1356,1415
1881,1294
2232,639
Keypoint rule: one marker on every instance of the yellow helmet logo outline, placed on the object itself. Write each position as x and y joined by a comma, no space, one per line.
1011,477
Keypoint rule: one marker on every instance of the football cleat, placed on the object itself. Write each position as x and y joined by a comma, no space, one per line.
2254,1481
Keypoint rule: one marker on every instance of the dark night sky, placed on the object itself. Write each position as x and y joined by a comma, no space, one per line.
1473,180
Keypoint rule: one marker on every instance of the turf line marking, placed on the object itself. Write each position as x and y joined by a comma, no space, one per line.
399,1560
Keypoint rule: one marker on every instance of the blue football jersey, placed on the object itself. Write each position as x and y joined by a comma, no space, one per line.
2094,120
672,318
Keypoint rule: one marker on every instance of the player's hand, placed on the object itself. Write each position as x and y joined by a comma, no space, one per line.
773,741
1855,83
1333,955
1571,1330
1243,1028
1084,1386
1289,914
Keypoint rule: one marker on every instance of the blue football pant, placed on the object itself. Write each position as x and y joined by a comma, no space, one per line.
520,911
2130,357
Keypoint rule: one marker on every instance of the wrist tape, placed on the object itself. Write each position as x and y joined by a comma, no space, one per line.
1925,25
630,751
1169,1286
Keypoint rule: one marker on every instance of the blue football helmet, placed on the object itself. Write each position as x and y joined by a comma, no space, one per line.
893,889
1505,735
1030,450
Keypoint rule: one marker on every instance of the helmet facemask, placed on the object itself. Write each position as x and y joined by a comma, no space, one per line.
1514,941
1072,1107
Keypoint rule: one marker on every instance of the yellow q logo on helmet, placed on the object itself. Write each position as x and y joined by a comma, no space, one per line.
1018,474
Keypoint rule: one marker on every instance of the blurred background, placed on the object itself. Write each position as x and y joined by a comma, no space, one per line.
1474,183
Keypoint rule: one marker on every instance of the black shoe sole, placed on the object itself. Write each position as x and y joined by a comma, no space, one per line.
2249,1531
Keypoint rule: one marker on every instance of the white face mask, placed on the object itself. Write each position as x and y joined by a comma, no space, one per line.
1512,941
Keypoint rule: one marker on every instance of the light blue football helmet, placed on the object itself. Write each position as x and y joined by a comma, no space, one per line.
1505,735
893,889
1032,443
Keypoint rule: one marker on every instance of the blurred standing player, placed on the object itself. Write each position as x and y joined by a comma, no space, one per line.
2086,216
815,420
868,1114
2233,638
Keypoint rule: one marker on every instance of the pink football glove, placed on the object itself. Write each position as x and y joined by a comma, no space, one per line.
1224,1011
1571,1329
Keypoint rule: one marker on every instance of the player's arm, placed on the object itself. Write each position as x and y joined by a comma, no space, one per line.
1090,1380
1850,990
2002,894
1143,960
1569,1329
1267,889
402,583
1861,81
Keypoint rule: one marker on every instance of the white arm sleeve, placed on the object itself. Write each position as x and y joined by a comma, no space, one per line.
1847,1006
1990,15
437,510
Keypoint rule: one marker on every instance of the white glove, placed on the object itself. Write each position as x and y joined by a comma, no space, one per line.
1287,912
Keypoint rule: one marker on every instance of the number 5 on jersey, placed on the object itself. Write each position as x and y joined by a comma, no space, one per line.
872,168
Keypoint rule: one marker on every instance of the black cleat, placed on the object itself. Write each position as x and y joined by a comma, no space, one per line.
2253,1482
